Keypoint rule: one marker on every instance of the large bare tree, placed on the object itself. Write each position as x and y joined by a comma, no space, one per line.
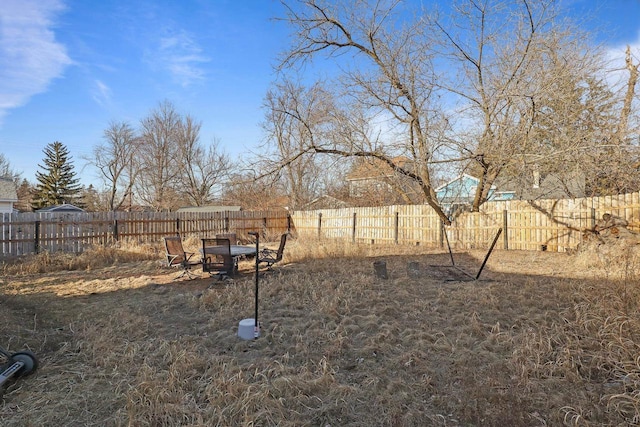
294,115
485,86
116,161
532,87
392,77
203,170
159,158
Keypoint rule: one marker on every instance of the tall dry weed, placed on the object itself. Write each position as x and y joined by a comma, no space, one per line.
91,259
338,346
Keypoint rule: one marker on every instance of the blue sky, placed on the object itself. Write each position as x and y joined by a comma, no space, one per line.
69,67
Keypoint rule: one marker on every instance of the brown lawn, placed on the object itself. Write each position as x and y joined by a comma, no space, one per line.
542,339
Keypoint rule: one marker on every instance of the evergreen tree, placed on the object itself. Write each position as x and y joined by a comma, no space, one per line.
91,199
25,192
57,182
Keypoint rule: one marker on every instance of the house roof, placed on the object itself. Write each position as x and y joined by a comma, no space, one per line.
375,168
8,190
456,179
66,207
325,202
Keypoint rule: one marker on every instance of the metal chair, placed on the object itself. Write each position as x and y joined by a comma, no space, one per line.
178,257
216,257
233,238
271,256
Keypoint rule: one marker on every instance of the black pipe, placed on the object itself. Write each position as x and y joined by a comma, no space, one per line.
256,330
495,240
444,230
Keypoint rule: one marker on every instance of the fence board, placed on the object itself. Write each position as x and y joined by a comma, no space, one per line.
27,233
553,225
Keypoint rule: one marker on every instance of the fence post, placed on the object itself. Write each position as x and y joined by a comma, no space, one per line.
353,229
320,224
593,218
288,223
505,234
177,225
264,227
442,231
115,230
36,237
226,224
396,226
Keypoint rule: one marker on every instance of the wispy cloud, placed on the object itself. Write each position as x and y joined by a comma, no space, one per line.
182,57
101,93
618,73
30,56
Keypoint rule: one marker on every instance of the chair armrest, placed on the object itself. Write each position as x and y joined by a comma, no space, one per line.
266,255
171,258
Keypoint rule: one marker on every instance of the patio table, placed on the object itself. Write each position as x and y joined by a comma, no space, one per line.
236,250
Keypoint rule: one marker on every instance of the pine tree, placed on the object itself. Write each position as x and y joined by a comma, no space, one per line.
57,182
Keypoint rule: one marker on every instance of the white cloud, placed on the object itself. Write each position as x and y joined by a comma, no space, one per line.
182,57
101,93
618,74
30,57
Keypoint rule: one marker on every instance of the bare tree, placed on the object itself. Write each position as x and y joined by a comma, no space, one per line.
116,160
6,170
392,77
494,87
533,89
617,164
254,190
158,159
293,115
202,170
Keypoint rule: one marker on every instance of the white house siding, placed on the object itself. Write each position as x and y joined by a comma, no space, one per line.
6,207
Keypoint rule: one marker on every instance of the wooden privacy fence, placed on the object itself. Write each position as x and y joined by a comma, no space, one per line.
553,225
28,233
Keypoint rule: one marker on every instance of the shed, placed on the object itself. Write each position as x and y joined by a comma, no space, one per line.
66,207
210,208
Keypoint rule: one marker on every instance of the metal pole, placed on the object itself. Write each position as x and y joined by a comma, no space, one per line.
256,330
489,253
36,237
353,229
505,224
396,226
448,245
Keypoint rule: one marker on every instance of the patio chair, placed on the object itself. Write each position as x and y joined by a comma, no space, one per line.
216,257
271,256
178,257
233,238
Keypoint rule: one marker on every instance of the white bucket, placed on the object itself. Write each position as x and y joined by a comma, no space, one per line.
247,329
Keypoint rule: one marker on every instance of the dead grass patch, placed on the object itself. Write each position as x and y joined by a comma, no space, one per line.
542,339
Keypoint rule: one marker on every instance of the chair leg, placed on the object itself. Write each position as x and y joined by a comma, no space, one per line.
221,276
185,272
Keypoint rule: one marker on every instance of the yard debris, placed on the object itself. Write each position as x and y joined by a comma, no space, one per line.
610,230
414,269
380,268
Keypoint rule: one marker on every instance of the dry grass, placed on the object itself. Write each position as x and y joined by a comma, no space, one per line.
542,339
